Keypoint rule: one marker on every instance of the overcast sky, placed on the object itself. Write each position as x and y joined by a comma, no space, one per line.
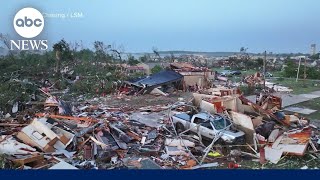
198,25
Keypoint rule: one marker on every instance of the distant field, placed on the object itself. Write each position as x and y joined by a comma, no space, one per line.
298,87
246,73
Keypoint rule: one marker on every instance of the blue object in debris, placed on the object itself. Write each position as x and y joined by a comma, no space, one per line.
280,115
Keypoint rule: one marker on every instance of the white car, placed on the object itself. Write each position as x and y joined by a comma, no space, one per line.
208,126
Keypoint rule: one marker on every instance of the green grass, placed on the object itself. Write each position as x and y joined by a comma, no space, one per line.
299,87
311,104
219,69
276,73
287,162
248,72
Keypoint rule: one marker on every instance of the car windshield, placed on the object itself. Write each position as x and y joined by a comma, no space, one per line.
218,122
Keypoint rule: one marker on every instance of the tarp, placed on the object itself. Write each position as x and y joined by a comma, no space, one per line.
158,79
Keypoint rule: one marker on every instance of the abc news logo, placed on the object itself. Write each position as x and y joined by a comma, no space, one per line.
28,23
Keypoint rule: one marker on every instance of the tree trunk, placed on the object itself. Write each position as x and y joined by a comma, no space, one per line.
58,61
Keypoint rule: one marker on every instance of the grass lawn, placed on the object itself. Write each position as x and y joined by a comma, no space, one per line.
219,69
276,73
286,162
298,87
311,104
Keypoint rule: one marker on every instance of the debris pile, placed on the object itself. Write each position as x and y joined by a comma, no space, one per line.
257,79
219,128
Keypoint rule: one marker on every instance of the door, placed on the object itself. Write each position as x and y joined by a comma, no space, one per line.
203,127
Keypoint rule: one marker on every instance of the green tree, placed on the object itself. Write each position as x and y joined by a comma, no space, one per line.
132,61
249,64
143,58
313,73
260,62
156,69
85,55
100,53
291,69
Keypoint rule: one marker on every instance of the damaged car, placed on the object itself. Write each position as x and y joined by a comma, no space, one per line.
207,125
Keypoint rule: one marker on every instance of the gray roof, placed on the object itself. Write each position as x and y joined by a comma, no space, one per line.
163,77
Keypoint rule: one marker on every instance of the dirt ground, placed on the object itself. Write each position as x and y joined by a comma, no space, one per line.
136,102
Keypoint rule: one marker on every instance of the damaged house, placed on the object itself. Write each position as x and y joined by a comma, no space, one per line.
201,77
159,83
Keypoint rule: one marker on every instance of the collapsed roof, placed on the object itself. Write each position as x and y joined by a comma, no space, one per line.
158,79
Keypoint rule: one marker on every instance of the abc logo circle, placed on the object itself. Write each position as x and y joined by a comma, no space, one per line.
28,22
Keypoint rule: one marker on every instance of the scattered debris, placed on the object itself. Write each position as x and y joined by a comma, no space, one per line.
63,165
219,127
8,145
206,165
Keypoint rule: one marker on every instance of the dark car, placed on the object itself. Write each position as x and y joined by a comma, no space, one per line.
236,72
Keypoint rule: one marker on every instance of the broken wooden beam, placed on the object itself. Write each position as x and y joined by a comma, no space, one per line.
12,125
66,117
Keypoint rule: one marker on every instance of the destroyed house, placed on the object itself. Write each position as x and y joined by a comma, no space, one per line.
136,69
194,76
159,79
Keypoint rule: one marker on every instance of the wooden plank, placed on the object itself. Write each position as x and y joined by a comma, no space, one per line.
66,117
28,159
12,124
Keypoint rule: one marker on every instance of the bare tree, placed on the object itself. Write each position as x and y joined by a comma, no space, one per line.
57,48
101,51
243,53
62,50
243,50
172,57
4,38
155,51
74,46
118,51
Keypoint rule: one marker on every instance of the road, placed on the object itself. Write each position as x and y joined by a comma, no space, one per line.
291,99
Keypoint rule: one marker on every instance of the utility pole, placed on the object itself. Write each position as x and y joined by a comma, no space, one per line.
264,70
298,70
305,72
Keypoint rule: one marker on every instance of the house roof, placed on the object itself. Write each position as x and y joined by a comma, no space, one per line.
153,64
181,65
163,77
135,68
